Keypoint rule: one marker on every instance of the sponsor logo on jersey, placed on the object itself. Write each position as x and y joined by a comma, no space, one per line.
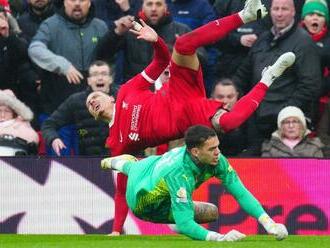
185,177
135,117
124,105
181,195
134,136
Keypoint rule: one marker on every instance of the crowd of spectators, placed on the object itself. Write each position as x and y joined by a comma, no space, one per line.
53,53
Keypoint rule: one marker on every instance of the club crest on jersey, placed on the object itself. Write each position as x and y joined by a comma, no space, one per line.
181,195
124,105
134,136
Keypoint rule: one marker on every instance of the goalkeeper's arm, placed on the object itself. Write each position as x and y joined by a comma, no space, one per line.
252,206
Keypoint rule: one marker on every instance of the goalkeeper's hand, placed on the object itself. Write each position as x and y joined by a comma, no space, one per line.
278,230
233,235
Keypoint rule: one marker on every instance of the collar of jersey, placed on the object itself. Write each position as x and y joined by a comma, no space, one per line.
113,116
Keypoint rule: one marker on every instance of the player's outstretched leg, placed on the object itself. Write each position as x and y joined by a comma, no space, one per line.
218,29
205,212
224,121
270,73
117,163
253,10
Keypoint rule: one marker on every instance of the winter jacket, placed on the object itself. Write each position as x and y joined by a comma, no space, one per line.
29,22
324,130
16,71
109,11
232,52
138,53
60,42
92,134
307,147
323,49
193,13
20,129
298,86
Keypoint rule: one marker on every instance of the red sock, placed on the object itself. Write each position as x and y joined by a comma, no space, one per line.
121,208
243,108
207,34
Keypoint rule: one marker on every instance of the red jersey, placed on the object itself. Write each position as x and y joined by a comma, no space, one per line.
144,118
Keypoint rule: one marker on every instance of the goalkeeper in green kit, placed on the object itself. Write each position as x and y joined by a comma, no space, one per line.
159,188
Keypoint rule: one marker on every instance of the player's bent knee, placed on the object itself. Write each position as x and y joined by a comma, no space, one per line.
205,212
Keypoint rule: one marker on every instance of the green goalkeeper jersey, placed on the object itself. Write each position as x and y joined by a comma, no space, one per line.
159,189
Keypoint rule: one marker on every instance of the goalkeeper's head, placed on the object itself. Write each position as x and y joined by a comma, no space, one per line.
203,145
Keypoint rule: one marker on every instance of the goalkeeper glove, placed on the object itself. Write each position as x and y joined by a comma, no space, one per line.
278,230
233,235
117,162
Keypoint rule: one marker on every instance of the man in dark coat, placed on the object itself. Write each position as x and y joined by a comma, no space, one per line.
299,86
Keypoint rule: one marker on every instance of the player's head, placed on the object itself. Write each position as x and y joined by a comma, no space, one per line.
203,144
100,105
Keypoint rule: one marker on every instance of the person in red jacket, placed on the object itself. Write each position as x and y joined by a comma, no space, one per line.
142,118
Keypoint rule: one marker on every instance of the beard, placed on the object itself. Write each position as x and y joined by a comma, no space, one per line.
40,7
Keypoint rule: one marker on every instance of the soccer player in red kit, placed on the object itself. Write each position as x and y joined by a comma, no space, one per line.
141,118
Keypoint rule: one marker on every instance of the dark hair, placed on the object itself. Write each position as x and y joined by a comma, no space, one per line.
224,82
100,63
195,136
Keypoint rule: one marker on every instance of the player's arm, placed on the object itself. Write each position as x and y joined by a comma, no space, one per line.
161,57
182,206
246,200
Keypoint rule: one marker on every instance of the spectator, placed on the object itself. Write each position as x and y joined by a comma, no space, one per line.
17,137
291,137
92,134
234,48
138,54
299,86
37,12
11,19
17,6
15,68
233,142
195,13
324,130
29,22
64,47
111,10
315,19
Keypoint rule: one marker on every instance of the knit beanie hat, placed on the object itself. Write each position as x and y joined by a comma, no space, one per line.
316,6
8,98
291,111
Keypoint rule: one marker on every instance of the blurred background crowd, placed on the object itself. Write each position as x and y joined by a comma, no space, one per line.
53,53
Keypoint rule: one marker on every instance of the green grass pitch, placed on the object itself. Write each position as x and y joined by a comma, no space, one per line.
165,241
